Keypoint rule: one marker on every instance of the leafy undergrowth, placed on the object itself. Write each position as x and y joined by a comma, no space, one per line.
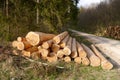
18,68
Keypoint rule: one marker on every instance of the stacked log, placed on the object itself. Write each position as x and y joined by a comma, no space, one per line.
51,47
113,32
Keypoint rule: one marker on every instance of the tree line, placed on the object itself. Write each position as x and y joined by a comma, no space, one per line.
17,17
105,14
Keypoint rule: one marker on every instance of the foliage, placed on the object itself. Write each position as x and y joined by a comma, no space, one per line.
53,15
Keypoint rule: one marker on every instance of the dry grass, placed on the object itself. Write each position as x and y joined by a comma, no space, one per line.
19,68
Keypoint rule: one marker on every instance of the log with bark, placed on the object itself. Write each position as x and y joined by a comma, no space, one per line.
105,64
52,57
38,45
36,38
74,52
23,45
94,60
55,47
57,39
63,43
67,49
32,49
47,44
81,51
21,39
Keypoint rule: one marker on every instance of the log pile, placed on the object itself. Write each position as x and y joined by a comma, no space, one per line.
51,47
113,32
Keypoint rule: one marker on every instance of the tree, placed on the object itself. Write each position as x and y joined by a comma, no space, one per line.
36,15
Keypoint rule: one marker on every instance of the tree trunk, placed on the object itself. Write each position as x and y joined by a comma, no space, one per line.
37,13
7,2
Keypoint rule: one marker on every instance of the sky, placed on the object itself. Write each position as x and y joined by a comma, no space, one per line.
86,3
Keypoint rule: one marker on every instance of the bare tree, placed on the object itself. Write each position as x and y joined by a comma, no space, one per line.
37,14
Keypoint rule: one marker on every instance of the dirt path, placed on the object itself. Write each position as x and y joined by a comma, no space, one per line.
109,47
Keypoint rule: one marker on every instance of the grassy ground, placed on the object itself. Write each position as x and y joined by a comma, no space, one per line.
11,69
19,68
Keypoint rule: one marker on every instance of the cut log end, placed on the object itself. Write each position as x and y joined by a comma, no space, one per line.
78,60
74,54
94,61
44,53
33,38
67,51
67,59
14,44
60,54
85,61
21,39
45,45
62,45
83,54
106,65
35,55
56,40
20,46
52,59
25,53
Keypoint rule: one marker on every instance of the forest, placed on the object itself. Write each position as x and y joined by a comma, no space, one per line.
17,17
21,16
97,19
